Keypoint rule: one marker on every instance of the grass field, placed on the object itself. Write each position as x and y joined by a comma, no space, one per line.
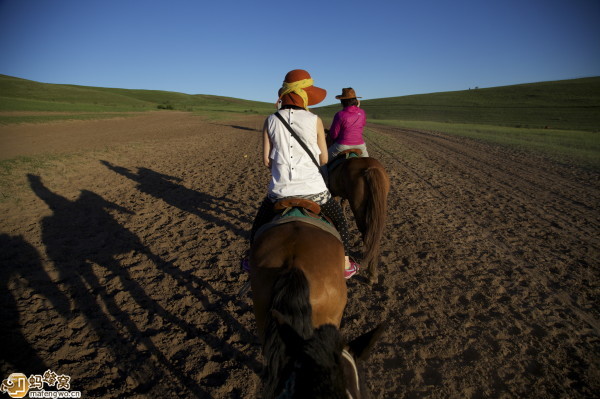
25,95
560,119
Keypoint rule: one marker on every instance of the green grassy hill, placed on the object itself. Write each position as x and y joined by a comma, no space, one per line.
568,104
26,95
560,119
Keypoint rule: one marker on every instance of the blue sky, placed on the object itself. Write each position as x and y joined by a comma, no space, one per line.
244,49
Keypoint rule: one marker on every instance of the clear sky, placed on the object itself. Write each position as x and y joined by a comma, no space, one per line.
244,48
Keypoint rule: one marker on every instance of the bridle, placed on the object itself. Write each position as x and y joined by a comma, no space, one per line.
349,359
352,387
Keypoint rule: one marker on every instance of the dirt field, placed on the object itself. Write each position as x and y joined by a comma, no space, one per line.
120,263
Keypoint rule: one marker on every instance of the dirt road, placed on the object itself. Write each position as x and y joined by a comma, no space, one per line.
120,256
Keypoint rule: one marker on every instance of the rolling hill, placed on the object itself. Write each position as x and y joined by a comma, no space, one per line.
567,104
25,95
564,105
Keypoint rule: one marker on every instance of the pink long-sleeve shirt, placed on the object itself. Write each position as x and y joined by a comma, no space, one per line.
347,126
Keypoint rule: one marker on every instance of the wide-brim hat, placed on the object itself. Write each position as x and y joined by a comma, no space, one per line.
314,94
347,93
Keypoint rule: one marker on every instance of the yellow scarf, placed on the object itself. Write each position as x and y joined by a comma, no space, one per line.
298,88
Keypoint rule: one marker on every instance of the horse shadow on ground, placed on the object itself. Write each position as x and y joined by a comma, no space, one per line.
82,235
167,188
21,268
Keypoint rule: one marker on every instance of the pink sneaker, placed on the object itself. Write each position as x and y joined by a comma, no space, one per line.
351,270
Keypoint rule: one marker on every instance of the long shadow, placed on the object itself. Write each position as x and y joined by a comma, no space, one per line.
209,208
81,234
20,260
165,187
244,128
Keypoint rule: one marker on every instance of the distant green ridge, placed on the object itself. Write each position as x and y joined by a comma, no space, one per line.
25,95
565,104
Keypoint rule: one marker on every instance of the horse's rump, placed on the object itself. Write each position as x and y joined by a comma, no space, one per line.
319,256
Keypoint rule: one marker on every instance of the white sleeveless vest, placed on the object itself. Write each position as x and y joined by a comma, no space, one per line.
293,172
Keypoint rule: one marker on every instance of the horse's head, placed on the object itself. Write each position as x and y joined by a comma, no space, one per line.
320,366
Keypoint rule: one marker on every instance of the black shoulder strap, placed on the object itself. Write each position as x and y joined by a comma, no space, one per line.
299,140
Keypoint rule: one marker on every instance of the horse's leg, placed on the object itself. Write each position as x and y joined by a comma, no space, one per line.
358,201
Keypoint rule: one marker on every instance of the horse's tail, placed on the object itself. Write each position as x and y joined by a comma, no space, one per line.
377,187
291,299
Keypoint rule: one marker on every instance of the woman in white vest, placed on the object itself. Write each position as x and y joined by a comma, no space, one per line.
293,172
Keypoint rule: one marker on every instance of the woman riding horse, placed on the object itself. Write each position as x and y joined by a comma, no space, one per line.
362,181
346,130
293,172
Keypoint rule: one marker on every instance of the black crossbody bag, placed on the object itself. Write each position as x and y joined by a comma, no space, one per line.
299,140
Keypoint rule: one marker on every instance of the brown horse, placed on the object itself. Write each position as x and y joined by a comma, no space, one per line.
299,295
365,184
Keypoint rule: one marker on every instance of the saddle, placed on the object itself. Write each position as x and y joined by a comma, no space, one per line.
288,203
350,153
299,210
342,156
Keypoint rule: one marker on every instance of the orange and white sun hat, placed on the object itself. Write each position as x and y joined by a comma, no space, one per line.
299,89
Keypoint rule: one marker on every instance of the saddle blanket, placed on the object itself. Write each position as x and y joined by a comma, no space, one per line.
296,215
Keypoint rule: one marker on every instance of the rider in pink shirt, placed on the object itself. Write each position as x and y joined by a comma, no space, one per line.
347,127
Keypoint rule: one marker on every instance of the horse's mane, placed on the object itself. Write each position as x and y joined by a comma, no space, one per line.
291,299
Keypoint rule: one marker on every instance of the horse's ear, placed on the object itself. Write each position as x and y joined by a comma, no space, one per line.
278,317
361,347
293,341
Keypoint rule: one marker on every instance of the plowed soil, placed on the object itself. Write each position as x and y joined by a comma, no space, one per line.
121,241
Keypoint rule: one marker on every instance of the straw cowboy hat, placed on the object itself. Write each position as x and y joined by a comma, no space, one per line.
347,93
299,89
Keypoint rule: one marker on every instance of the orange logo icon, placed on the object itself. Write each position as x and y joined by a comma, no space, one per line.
16,385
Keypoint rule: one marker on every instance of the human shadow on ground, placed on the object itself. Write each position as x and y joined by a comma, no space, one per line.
21,269
216,210
82,235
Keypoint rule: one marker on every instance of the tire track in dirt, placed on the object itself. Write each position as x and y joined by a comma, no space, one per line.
524,247
479,172
480,169
553,190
